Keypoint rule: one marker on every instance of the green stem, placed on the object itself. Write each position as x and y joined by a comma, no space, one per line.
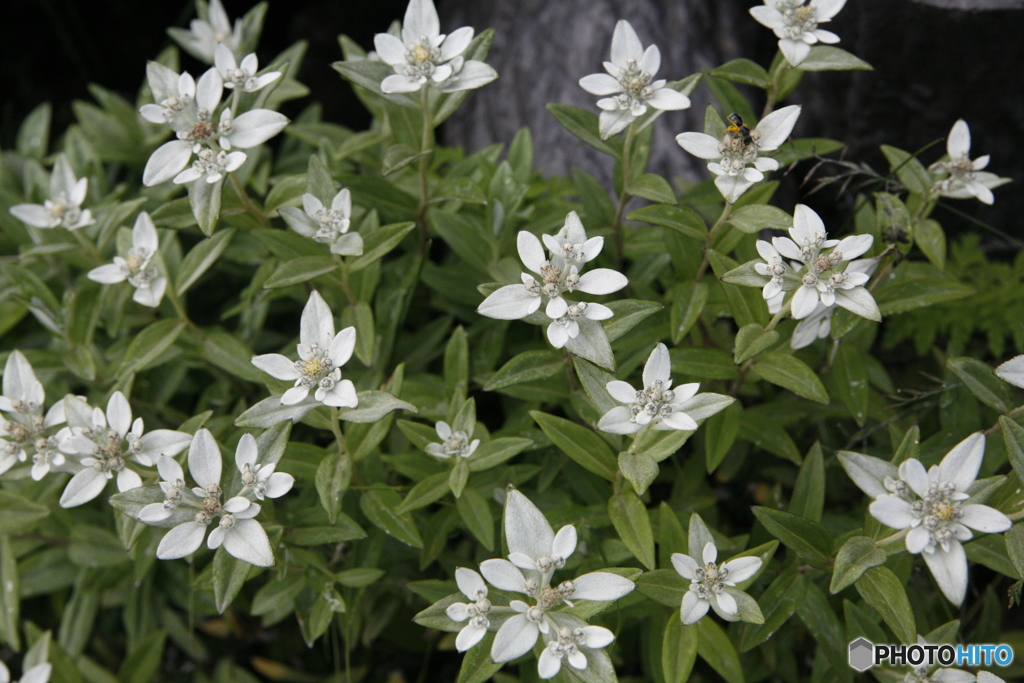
338,436
638,436
777,318
712,234
345,285
428,129
247,202
892,540
627,149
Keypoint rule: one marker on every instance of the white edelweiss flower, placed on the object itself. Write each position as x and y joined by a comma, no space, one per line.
188,108
452,443
327,226
241,535
106,446
137,267
712,586
64,207
730,156
570,249
938,520
566,645
321,355
22,435
242,76
818,324
173,486
203,37
535,552
424,55
40,673
966,179
474,613
211,166
820,279
261,480
657,404
773,267
796,24
630,79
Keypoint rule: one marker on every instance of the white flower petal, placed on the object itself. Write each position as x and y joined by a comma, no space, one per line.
470,635
700,145
526,529
892,511
602,586
984,518
548,664
961,464
626,44
693,608
618,421
775,128
503,575
204,461
918,539
658,367
958,144
247,541
725,602
256,127
166,162
685,565
565,542
531,251
600,84
949,567
276,365
82,488
514,639
742,568
181,541
602,281
470,583
511,302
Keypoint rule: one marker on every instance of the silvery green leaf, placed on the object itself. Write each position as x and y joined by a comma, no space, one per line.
373,405
270,411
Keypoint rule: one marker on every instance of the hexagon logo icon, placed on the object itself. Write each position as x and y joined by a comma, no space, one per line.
862,654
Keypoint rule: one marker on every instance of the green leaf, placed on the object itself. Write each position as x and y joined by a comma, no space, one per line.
719,435
703,363
754,218
10,599
778,603
380,505
900,297
682,219
930,238
476,514
715,648
433,488
528,366
345,529
909,170
270,411
458,477
679,649
477,666
360,316
18,514
827,58
379,241
583,124
652,186
664,586
769,435
857,555
34,134
229,575
585,447
730,99
884,591
200,258
277,595
824,625
980,381
397,157
497,451
143,660
790,373
851,381
687,306
301,269
629,517
808,538
808,499
1013,438
227,352
743,71
1015,547
373,405
332,479
456,364
746,304
149,344
628,313
639,468
205,200
752,340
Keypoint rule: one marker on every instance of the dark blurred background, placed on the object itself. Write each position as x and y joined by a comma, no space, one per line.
933,65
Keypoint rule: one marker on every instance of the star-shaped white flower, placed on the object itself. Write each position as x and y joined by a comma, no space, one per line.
203,37
241,535
321,355
22,434
474,613
188,107
424,55
327,226
938,519
736,164
535,552
657,404
712,586
796,24
260,479
105,446
455,443
242,76
630,79
64,207
137,266
558,275
820,279
965,179
818,324
571,645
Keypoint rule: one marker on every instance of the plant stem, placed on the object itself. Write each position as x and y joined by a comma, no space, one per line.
247,202
624,196
338,436
345,286
421,220
719,224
